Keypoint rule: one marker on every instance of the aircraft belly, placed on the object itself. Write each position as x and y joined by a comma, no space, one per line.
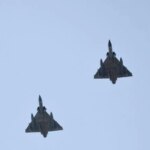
44,128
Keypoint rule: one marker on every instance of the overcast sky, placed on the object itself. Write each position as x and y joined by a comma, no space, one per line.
53,48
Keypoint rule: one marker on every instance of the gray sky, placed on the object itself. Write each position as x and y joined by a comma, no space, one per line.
53,48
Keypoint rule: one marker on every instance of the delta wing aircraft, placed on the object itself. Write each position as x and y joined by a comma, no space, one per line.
112,68
42,121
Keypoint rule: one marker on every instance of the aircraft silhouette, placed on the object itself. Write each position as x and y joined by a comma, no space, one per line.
112,68
42,122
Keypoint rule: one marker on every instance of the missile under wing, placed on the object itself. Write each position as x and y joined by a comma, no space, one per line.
112,68
42,121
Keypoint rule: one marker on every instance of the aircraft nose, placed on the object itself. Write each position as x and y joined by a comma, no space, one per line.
109,43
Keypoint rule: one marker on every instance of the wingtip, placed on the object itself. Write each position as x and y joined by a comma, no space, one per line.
27,130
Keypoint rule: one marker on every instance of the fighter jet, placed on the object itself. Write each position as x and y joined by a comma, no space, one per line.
42,121
112,68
